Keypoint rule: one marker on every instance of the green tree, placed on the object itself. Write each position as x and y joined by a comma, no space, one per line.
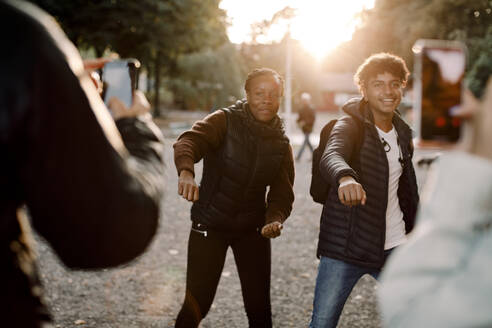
481,66
155,31
209,79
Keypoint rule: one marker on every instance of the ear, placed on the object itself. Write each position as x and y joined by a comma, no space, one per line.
363,92
280,86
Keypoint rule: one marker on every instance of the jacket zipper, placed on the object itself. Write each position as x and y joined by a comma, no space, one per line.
204,233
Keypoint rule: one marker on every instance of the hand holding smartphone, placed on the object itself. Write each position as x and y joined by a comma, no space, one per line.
120,80
438,88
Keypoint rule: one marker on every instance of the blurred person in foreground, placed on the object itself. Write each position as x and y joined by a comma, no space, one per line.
305,120
245,151
92,187
373,197
442,276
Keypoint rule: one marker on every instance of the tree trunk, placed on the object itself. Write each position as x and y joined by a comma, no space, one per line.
99,52
149,78
157,84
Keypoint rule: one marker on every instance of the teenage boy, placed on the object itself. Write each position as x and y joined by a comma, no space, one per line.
373,197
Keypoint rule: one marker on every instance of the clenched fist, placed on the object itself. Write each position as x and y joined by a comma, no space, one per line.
187,186
272,230
350,192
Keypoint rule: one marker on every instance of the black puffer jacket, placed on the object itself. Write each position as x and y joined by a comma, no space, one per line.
94,201
357,234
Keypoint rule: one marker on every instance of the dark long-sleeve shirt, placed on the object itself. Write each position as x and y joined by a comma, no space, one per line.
92,190
208,134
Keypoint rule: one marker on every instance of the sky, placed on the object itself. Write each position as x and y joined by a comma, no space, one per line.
320,25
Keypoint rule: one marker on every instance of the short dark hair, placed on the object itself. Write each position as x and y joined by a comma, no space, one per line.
381,63
264,71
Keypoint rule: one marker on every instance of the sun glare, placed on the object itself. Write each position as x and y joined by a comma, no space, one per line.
320,25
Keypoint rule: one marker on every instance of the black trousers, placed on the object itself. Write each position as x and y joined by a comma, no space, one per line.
206,257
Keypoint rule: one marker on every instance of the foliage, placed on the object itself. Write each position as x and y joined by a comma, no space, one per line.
261,28
209,79
480,66
184,42
141,27
157,32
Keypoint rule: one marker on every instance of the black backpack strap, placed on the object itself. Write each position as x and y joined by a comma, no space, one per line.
325,134
360,139
319,187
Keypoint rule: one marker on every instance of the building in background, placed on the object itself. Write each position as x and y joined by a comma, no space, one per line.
336,89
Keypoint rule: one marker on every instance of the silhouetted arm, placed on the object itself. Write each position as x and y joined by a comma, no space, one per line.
93,199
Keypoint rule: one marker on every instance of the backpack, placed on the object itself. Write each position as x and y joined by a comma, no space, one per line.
319,187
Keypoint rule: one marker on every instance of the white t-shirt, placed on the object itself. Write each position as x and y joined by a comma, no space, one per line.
395,226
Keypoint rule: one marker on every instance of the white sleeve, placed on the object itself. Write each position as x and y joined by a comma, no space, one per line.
442,277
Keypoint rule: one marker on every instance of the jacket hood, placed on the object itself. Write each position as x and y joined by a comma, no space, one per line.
359,109
353,108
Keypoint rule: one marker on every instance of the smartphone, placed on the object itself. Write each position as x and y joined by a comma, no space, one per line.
439,70
120,80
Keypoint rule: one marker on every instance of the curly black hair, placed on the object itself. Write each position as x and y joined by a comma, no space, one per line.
381,63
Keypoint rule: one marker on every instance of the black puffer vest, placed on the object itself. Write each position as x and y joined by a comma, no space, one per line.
235,177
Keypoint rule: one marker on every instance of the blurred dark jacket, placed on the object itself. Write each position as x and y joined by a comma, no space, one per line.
357,234
306,118
92,194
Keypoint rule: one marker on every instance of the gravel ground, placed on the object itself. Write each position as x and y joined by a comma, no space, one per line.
148,292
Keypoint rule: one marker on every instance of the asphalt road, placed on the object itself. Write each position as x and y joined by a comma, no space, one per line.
148,292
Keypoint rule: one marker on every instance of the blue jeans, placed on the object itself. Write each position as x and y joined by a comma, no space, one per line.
304,144
335,281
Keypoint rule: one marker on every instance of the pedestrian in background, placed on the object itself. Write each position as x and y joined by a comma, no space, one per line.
373,197
305,120
92,187
245,150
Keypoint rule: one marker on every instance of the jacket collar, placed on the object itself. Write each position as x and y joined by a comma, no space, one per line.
274,128
359,109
